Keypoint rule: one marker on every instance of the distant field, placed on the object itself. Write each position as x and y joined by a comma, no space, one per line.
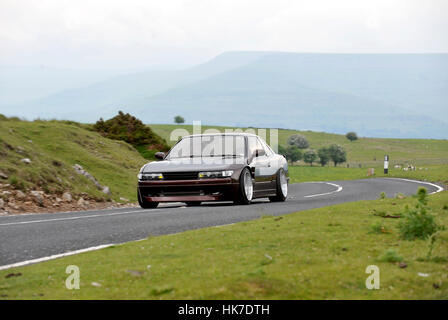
433,173
365,151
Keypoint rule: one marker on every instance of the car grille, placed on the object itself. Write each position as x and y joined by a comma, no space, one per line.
180,175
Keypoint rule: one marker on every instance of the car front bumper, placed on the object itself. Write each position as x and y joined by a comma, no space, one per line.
220,189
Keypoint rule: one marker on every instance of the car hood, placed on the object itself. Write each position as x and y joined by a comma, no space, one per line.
194,164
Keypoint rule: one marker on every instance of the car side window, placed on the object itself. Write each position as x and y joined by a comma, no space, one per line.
265,147
252,142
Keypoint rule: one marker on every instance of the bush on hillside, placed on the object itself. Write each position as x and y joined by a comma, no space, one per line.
324,156
127,128
337,154
293,154
179,119
310,156
299,141
352,136
418,222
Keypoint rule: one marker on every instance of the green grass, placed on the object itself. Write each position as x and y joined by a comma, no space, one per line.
55,147
314,254
364,151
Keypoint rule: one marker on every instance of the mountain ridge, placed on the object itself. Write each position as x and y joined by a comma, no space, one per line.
410,91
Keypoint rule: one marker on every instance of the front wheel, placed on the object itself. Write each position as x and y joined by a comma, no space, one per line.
246,189
146,204
282,187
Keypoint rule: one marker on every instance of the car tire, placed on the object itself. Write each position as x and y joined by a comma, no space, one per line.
193,203
146,204
282,187
246,188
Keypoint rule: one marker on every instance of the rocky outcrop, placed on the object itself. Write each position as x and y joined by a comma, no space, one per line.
20,195
67,197
38,197
80,170
82,203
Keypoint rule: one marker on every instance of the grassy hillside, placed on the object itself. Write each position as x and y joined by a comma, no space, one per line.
54,147
315,254
364,151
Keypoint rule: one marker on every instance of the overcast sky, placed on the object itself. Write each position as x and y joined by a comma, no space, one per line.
175,33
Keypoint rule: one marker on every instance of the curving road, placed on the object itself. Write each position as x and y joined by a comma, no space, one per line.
31,238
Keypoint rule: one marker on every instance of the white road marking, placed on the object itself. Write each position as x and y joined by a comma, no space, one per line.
439,188
161,205
339,188
79,211
74,218
55,256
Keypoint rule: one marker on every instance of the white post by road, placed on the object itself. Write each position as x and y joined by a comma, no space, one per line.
386,164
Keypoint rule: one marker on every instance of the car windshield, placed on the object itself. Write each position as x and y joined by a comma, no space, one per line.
209,146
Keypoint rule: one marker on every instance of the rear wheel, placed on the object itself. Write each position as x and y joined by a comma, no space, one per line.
282,187
246,189
193,203
146,204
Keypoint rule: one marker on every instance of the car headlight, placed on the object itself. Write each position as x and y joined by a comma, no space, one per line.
149,176
215,174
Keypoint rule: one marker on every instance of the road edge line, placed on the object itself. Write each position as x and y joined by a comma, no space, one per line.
52,257
339,188
439,188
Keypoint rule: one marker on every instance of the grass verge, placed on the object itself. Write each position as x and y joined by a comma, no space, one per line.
314,254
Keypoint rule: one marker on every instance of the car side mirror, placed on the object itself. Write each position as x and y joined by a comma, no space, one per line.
259,153
160,155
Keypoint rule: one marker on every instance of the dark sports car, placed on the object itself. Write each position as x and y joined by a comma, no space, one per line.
234,167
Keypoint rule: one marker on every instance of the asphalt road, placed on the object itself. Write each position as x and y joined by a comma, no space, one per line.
33,236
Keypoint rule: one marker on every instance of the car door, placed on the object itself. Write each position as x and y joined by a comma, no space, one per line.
260,166
271,168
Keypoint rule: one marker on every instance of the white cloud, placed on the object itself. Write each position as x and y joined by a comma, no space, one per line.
148,32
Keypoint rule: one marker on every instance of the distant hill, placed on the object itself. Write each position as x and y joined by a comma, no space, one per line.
24,84
106,98
381,95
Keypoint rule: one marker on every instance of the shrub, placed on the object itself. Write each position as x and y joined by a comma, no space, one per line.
131,130
324,156
299,141
352,136
310,156
390,256
418,221
179,119
337,154
293,154
383,195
